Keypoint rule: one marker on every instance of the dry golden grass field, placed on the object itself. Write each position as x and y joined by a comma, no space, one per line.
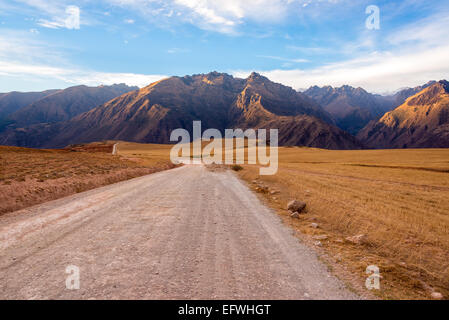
145,154
31,176
397,198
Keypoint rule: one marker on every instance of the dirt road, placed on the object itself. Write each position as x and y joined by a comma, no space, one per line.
186,233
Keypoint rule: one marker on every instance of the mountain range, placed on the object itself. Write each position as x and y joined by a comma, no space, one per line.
353,108
56,105
319,117
14,101
218,100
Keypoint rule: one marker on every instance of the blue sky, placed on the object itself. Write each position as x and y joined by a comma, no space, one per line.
60,43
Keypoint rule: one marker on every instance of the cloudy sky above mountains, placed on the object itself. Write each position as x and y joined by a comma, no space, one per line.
58,43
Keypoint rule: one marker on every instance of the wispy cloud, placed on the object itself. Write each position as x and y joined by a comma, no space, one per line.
74,76
226,17
23,57
310,50
416,54
52,14
26,47
50,7
430,31
378,72
70,20
177,50
220,16
298,60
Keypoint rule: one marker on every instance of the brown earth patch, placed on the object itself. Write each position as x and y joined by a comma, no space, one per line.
31,176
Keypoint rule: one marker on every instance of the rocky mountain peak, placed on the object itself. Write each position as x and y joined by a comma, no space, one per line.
445,85
254,76
430,95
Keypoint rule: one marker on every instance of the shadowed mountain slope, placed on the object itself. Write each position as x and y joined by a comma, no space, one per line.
13,101
65,104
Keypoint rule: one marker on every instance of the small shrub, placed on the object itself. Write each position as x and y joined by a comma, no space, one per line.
262,189
236,167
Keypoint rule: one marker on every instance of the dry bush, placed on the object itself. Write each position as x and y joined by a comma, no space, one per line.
236,167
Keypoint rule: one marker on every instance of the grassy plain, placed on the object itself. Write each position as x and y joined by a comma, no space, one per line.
32,176
397,198
145,154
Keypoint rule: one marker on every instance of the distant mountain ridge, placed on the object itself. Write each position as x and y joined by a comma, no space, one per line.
399,97
13,101
353,108
65,104
421,122
218,100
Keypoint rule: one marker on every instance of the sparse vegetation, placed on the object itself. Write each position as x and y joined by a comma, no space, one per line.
397,198
236,167
32,176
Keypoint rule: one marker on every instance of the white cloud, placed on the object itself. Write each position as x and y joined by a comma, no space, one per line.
177,50
215,15
74,76
380,72
52,14
49,7
25,47
23,58
429,31
298,60
224,16
132,79
50,24
70,19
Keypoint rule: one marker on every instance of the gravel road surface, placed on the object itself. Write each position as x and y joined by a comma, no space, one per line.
186,233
